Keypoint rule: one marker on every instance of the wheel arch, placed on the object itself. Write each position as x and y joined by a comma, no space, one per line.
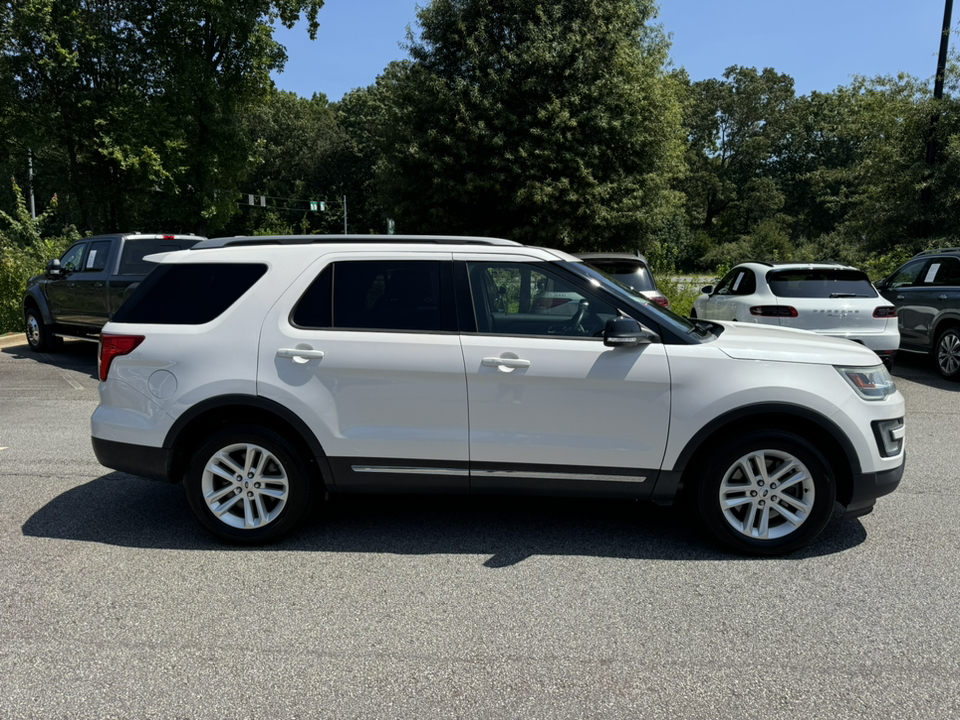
944,322
36,301
817,429
193,428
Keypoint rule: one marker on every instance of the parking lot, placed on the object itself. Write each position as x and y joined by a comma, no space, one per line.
115,604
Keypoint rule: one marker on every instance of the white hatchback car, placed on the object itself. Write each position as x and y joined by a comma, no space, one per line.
826,298
265,372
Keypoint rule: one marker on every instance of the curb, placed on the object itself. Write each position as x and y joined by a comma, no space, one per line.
11,340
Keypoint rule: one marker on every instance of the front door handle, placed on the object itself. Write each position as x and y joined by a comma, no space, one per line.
942,297
505,364
301,353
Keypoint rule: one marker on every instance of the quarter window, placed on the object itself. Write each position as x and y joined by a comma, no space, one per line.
188,294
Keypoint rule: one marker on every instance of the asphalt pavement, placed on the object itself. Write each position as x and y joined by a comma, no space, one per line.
114,603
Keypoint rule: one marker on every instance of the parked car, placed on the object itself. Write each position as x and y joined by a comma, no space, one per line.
81,289
265,372
926,292
632,270
826,298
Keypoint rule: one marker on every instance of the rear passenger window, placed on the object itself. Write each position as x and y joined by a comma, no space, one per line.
942,271
407,295
97,256
188,294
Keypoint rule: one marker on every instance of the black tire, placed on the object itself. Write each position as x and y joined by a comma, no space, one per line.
39,337
738,494
248,486
947,353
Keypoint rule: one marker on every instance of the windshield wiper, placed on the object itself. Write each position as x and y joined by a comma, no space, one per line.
702,327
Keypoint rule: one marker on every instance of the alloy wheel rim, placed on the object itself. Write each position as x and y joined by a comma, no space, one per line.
948,354
767,494
245,486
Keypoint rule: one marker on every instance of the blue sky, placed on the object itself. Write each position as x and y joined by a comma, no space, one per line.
822,44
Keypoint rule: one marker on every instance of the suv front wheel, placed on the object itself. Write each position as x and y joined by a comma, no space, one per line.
767,493
248,486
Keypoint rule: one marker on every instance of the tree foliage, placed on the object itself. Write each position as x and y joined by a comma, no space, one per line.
549,123
132,109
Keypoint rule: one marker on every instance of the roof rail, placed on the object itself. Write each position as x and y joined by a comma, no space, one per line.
938,250
349,239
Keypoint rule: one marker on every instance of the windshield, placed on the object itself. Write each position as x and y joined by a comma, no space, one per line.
626,293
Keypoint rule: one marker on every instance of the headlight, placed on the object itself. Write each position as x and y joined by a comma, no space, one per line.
871,383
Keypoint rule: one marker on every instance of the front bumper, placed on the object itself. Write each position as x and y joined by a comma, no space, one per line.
867,487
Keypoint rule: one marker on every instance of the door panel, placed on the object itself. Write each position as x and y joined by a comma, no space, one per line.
566,402
560,408
389,407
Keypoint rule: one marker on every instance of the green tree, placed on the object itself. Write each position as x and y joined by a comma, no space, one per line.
297,145
550,123
133,109
736,126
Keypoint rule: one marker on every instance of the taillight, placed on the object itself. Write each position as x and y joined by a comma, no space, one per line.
885,312
662,301
112,346
774,311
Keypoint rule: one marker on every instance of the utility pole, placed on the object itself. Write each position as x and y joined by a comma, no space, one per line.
33,206
938,82
926,195
344,214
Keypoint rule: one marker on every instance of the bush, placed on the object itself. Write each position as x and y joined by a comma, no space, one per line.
24,252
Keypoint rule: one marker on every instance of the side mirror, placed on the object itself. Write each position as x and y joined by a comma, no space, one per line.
707,289
626,332
53,268
882,284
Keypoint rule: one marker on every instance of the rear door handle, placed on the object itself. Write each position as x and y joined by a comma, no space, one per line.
505,362
942,297
301,353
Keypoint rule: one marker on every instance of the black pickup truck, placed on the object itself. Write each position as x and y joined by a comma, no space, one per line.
82,289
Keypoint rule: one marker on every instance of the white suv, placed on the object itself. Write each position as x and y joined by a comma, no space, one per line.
263,372
827,298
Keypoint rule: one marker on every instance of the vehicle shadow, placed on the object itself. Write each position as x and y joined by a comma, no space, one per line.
920,369
77,355
119,509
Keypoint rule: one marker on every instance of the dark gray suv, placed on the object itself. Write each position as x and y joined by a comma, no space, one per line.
926,291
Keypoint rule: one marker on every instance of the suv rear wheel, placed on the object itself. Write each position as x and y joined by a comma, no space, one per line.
948,353
248,486
768,493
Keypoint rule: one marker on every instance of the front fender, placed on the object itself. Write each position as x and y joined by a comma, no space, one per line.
34,297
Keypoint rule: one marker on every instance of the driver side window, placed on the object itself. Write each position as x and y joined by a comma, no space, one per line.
529,299
70,262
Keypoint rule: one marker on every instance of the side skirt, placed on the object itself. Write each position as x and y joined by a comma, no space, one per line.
388,475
